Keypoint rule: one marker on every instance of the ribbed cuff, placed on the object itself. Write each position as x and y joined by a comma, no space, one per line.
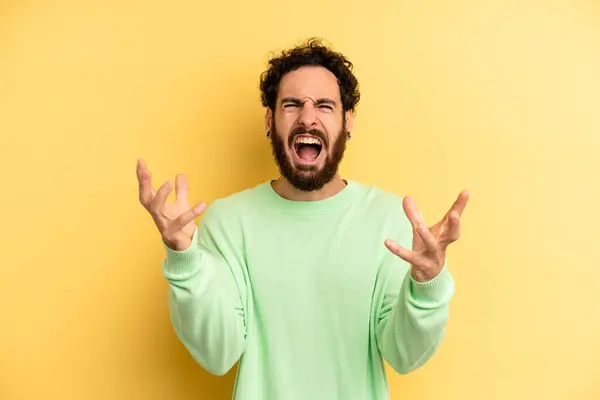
182,262
436,291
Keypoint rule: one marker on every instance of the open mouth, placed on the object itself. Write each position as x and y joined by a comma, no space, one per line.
308,148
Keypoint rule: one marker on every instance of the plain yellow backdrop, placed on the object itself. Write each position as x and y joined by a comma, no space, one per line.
500,97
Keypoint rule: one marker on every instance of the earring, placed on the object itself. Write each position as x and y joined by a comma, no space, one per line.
349,134
268,133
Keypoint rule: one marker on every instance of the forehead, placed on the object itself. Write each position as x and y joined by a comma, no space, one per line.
314,82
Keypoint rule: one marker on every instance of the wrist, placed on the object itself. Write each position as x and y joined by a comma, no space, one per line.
437,290
423,276
182,258
177,244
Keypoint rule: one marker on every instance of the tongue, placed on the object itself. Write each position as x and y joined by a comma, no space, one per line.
307,152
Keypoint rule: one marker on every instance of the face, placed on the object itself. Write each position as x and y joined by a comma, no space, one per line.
308,127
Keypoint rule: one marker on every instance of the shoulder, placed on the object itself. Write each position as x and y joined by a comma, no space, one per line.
381,204
230,207
378,199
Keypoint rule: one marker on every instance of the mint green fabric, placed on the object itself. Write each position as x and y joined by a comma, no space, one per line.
305,295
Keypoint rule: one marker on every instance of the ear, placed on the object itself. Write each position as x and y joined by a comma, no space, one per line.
268,119
349,121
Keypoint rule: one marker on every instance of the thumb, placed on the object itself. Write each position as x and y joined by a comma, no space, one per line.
188,216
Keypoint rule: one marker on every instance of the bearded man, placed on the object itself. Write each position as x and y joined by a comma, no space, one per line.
310,281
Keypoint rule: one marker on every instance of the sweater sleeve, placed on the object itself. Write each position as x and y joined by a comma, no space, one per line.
204,302
413,315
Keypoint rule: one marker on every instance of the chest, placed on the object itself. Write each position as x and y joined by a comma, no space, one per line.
299,265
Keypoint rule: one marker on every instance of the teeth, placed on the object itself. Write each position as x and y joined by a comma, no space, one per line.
307,140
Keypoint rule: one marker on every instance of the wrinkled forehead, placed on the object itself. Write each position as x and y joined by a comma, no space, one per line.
309,84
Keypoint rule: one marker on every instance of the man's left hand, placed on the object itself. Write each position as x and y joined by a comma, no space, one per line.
428,254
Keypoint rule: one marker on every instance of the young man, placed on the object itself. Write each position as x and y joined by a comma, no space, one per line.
310,281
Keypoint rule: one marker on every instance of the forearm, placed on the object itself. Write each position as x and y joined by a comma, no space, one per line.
415,326
206,318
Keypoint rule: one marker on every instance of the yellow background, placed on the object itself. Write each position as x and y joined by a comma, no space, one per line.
500,97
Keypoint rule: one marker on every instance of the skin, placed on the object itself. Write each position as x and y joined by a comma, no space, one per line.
308,98
429,246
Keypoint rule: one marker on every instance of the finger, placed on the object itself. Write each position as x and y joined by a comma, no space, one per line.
188,216
407,255
453,228
429,240
181,190
460,203
161,197
146,192
411,211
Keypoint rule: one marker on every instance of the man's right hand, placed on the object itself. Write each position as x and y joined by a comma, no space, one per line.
175,221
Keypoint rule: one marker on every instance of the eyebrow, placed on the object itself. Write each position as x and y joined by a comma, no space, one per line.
299,102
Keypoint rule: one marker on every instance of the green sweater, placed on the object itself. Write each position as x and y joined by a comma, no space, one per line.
305,295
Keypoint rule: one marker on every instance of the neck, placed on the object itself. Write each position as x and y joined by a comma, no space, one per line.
287,191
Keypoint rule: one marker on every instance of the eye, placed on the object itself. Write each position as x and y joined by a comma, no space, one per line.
288,105
326,106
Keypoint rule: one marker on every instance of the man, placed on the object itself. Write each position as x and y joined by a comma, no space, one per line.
310,281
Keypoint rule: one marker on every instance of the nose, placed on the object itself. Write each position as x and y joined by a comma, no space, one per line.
308,115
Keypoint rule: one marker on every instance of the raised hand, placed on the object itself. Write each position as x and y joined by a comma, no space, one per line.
428,253
174,221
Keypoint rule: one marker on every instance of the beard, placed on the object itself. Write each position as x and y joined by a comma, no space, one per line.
308,178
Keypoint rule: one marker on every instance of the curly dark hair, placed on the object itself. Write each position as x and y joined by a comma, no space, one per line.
311,52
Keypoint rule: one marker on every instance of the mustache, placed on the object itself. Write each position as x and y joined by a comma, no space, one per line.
303,131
